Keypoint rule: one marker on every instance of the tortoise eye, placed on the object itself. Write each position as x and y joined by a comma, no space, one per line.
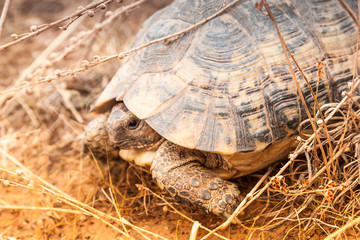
133,124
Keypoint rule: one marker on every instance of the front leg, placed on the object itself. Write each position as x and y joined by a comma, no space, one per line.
181,172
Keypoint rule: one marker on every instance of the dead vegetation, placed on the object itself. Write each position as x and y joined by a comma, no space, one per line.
50,188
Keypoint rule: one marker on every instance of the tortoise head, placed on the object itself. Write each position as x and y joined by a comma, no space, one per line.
127,131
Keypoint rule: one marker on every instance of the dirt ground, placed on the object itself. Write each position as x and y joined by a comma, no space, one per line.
50,186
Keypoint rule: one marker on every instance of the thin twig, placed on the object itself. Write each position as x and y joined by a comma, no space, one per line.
178,212
38,61
285,49
73,16
283,44
28,172
81,208
59,195
4,14
41,209
350,12
245,202
194,230
343,229
120,55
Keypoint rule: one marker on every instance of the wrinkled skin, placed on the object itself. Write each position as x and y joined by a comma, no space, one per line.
128,132
184,173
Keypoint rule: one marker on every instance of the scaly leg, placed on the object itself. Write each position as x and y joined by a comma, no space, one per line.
181,172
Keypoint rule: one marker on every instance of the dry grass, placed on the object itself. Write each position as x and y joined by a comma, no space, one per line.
50,188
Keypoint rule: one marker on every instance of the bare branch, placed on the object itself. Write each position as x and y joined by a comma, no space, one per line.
39,29
4,14
122,55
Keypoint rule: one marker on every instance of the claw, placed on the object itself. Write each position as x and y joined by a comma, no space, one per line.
182,173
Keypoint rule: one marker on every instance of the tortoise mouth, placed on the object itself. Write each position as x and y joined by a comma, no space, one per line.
143,145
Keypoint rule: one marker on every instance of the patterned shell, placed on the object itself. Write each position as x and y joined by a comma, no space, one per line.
226,86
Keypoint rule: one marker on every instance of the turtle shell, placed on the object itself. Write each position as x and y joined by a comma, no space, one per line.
226,86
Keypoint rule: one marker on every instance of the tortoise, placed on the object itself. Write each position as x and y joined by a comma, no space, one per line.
219,102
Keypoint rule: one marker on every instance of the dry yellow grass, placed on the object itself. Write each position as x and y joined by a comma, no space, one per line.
50,188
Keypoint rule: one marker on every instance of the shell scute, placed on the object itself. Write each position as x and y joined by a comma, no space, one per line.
181,117
226,86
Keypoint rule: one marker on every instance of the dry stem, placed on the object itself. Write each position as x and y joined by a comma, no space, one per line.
71,19
4,14
121,55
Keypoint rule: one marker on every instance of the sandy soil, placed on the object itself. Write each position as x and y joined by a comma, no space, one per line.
40,140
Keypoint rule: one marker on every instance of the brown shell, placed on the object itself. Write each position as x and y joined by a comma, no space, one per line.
226,86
